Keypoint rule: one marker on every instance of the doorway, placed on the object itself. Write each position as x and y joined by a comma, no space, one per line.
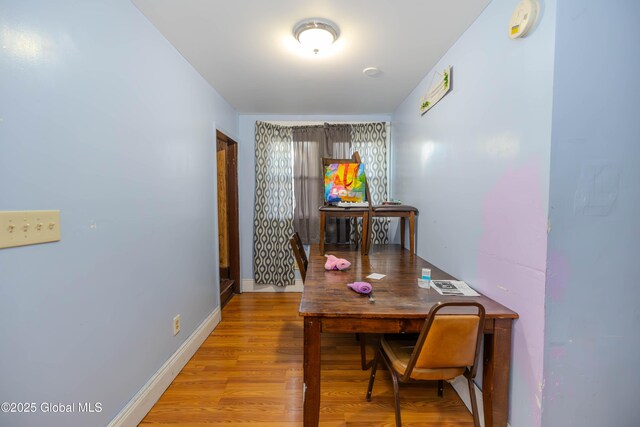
228,235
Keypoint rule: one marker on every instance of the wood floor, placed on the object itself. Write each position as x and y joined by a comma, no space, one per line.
249,373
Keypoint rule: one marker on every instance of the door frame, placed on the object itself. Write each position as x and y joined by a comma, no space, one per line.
233,214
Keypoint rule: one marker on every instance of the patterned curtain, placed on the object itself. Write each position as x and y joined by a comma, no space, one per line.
273,214
370,140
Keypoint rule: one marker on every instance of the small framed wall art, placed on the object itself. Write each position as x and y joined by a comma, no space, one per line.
440,87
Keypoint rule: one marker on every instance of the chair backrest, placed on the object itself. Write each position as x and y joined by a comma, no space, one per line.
299,254
449,340
355,158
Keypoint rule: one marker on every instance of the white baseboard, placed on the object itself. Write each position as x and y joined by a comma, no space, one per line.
149,394
249,285
459,384
461,387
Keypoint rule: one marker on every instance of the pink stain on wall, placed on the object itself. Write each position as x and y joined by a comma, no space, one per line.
556,352
512,264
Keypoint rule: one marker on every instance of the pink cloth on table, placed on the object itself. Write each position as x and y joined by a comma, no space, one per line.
334,263
361,287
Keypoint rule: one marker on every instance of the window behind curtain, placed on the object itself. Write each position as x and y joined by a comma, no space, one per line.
310,144
307,182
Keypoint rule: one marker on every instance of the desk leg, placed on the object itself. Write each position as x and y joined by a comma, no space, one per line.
365,234
323,220
402,232
495,381
412,232
311,394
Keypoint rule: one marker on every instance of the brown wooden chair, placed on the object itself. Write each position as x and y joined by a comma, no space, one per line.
346,212
299,254
448,346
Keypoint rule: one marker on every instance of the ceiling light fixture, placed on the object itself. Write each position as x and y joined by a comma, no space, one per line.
372,72
315,34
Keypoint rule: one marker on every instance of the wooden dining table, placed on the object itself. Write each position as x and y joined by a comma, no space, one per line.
398,306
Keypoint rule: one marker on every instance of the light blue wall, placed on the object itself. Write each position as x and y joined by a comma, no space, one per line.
591,342
246,172
477,167
101,118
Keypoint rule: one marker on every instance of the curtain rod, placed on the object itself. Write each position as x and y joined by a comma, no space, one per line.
323,126
298,123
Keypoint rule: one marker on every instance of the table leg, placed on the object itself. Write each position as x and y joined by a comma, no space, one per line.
323,220
412,232
402,232
311,366
369,232
495,381
365,234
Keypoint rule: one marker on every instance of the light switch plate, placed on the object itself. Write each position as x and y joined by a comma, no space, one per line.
21,228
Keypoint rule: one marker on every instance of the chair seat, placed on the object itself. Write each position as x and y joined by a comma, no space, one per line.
448,346
399,351
394,208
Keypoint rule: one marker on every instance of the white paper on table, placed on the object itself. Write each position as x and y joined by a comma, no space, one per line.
453,287
376,276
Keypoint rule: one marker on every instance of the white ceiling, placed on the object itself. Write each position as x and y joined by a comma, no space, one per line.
246,50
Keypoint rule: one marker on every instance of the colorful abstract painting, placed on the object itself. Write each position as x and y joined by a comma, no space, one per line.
344,182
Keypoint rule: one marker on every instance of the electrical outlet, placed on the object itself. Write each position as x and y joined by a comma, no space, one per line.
176,325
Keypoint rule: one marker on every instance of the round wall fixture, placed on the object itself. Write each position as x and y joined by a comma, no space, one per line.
372,72
523,18
316,34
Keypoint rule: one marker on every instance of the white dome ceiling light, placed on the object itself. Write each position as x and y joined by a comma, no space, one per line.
316,34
